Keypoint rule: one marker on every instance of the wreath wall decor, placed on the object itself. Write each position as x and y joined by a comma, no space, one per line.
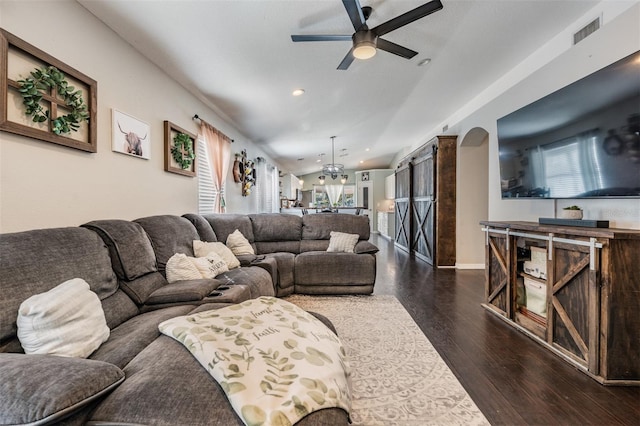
179,150
182,150
43,98
48,79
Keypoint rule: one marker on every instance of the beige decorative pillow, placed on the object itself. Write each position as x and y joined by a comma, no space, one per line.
238,244
67,320
180,268
201,249
210,266
342,242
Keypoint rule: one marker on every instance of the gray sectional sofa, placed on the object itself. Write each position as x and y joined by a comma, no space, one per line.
139,376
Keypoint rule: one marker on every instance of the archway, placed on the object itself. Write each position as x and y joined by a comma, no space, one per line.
472,197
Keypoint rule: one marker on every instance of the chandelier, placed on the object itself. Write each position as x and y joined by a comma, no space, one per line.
334,170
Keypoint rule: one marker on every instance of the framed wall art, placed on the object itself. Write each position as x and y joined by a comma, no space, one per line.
129,135
44,98
179,150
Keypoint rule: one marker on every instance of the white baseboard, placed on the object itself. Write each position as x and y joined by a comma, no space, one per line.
469,265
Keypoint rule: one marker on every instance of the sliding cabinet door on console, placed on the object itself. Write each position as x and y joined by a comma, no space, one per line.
497,274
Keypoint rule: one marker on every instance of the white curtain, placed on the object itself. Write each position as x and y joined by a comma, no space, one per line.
219,150
266,186
333,192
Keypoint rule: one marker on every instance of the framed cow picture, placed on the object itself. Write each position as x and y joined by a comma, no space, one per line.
129,135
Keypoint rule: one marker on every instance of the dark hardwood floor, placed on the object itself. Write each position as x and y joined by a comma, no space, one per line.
511,378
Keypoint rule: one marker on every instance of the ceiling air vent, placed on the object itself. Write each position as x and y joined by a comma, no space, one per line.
586,31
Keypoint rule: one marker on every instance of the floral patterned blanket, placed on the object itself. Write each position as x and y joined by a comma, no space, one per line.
276,362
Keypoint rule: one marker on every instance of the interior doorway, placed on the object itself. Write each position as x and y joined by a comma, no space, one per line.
472,197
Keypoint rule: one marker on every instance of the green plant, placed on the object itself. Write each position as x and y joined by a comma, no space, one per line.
182,150
43,80
572,208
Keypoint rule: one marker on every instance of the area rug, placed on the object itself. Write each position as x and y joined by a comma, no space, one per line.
398,378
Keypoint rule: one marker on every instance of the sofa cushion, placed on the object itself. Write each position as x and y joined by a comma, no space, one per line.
325,268
36,261
131,337
202,226
132,254
276,227
264,247
225,224
342,242
169,235
41,389
201,249
239,244
67,321
319,226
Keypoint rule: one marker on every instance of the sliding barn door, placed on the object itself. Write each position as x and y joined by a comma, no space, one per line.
423,208
403,207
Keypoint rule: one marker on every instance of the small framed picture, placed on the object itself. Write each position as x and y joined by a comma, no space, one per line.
129,135
365,176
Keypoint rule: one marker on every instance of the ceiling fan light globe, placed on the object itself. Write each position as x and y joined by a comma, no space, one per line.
364,50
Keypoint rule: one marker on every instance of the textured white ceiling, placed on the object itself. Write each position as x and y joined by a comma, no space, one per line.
238,56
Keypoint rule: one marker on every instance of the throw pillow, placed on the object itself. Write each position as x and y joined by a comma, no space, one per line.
42,389
342,242
180,268
201,249
238,244
67,320
210,266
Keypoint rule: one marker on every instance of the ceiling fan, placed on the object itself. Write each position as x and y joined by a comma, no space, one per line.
366,41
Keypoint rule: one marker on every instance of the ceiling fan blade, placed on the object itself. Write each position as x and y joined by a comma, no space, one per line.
321,38
396,49
408,17
354,10
347,60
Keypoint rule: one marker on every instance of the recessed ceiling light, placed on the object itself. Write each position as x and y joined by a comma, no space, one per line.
424,62
298,92
367,149
361,161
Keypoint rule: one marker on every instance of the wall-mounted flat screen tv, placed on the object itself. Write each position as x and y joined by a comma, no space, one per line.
582,141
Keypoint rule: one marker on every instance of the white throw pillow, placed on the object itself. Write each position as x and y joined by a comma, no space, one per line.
67,320
342,242
180,268
239,244
210,266
201,249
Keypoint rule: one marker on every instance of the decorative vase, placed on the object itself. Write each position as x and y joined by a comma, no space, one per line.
571,214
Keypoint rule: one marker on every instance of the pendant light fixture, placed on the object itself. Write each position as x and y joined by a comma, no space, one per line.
333,169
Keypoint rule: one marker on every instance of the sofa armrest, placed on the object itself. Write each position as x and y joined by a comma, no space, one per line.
365,247
246,259
43,389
